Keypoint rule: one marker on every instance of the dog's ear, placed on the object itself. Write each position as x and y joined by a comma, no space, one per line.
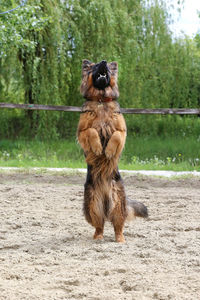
86,81
113,66
86,64
86,67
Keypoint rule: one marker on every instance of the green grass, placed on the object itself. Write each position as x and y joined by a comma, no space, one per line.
140,153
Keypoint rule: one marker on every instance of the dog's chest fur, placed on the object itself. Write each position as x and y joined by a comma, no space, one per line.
103,116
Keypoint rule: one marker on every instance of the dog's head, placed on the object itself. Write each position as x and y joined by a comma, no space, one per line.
99,81
101,75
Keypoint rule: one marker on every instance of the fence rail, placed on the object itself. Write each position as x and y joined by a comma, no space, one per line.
162,111
41,107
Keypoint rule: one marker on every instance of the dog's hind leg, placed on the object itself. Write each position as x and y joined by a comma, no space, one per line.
119,212
93,210
97,216
98,235
118,223
119,227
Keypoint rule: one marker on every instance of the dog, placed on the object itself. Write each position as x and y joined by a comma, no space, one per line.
101,134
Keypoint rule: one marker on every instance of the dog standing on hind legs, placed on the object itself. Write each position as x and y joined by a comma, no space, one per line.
102,133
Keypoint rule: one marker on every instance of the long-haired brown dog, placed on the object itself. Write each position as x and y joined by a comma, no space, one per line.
102,134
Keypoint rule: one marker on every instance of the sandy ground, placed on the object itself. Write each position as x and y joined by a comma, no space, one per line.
47,251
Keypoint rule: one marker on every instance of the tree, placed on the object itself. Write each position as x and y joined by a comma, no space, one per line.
43,44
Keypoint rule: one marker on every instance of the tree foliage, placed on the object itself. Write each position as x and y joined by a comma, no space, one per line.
43,43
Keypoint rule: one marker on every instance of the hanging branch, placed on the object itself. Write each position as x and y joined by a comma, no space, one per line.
22,3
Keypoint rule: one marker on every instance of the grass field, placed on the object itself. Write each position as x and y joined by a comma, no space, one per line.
147,153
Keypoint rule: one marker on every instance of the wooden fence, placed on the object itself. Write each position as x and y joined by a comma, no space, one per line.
162,111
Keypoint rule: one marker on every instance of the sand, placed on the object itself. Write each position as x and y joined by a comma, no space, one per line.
47,251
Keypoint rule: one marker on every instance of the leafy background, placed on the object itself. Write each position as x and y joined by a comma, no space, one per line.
42,46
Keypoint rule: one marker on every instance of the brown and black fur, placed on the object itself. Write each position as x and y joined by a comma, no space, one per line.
102,134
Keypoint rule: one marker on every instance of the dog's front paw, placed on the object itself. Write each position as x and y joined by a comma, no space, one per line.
97,148
110,152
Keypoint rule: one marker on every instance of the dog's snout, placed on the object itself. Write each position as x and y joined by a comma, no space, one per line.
103,66
101,76
104,62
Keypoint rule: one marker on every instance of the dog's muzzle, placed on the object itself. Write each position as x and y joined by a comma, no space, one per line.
101,76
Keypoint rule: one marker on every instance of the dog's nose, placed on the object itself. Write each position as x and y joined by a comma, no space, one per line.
104,62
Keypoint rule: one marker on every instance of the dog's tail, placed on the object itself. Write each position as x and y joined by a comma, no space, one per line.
136,209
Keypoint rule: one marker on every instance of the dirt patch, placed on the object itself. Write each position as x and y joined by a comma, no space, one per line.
47,251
